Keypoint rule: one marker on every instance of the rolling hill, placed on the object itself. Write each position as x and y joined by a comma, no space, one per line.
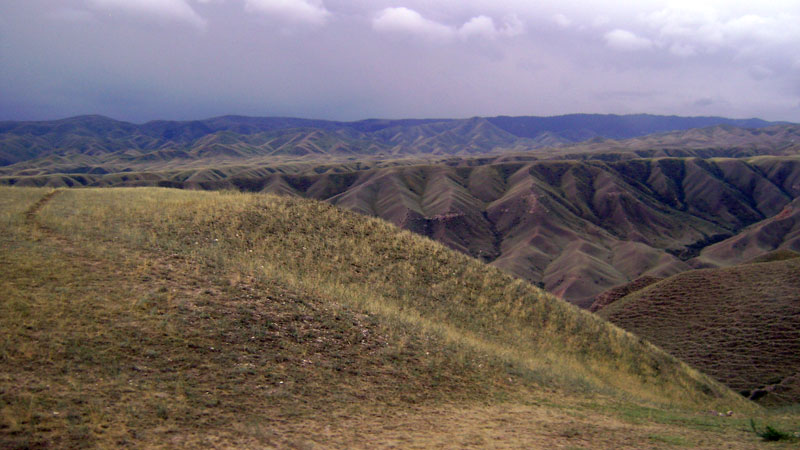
612,295
740,324
577,228
143,317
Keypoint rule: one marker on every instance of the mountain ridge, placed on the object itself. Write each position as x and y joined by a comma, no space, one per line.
577,218
95,134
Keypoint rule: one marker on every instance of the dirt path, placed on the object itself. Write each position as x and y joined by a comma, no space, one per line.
30,214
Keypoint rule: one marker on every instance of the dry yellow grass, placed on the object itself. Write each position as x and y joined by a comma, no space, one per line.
316,248
166,318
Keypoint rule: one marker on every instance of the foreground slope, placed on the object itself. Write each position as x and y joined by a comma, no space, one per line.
152,316
739,324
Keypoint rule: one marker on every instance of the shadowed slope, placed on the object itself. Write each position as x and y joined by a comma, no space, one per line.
779,232
740,324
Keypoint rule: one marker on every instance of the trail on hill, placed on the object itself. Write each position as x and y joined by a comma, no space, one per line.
30,214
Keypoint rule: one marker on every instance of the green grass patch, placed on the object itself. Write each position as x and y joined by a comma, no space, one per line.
770,433
671,440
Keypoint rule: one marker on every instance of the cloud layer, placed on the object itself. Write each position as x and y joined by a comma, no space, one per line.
348,59
179,10
292,10
408,21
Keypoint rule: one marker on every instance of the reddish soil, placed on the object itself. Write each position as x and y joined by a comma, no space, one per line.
610,296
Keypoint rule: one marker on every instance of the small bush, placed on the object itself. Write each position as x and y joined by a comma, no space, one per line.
769,433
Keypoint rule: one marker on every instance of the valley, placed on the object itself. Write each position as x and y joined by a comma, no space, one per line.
576,219
577,228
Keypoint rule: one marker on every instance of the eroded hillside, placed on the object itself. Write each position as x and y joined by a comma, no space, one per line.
740,324
577,228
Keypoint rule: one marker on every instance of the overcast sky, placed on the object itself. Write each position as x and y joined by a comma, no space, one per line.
139,60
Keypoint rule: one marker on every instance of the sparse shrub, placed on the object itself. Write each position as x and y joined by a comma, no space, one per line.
162,412
769,433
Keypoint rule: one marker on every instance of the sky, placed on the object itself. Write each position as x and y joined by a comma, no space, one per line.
140,60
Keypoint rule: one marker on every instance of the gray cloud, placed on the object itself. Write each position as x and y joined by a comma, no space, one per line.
294,10
407,21
626,41
179,10
338,59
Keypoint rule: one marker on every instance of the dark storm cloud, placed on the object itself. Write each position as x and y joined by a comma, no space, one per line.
180,59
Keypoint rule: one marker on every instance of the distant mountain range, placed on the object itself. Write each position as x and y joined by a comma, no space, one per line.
100,140
577,218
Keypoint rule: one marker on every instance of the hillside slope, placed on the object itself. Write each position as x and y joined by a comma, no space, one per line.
715,141
577,228
778,232
739,324
144,316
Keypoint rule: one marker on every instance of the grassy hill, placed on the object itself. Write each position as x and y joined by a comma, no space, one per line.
576,228
156,317
739,324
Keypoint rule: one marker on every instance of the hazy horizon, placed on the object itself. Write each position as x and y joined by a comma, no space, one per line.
190,119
